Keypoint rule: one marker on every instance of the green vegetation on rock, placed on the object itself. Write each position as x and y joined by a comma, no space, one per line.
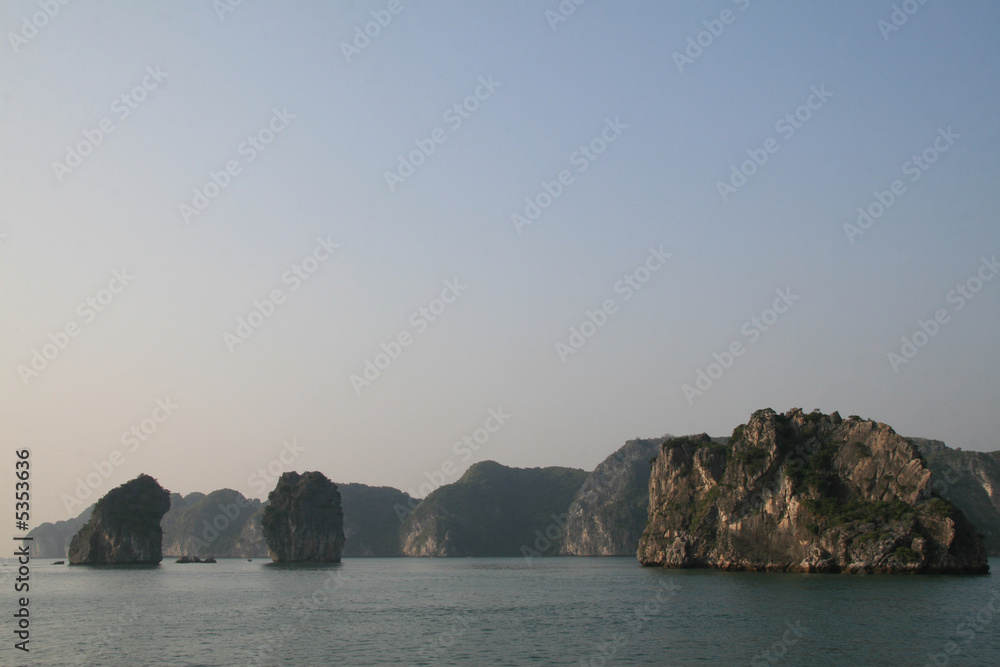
492,510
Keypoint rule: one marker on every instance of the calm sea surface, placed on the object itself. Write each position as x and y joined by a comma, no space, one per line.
497,611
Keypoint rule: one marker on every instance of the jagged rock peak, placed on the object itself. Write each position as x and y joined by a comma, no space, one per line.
807,493
304,520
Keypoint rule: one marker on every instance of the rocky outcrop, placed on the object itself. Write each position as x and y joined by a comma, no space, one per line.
493,510
224,524
303,520
804,493
608,514
124,527
371,524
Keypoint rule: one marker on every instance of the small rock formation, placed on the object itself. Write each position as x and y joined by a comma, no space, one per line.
194,559
804,493
226,524
609,512
303,520
124,527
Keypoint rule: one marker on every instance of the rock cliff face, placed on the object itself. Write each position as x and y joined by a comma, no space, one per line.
250,542
371,525
51,540
124,527
804,493
609,512
303,520
970,481
493,510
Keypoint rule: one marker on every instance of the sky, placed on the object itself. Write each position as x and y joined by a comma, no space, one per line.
386,240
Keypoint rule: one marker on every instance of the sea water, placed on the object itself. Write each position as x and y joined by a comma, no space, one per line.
497,611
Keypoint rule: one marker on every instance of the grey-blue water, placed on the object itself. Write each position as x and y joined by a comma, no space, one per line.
486,611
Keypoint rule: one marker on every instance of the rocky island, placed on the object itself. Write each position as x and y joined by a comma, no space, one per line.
303,521
804,493
124,527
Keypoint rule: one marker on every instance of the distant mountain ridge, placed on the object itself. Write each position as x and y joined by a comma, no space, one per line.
226,524
605,513
223,524
493,510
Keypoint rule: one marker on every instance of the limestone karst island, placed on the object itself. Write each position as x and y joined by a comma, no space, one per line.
793,492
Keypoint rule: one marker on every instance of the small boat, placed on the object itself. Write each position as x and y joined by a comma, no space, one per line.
59,562
249,560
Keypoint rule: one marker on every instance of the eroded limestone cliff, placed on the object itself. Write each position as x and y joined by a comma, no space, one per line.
609,512
303,520
124,527
805,493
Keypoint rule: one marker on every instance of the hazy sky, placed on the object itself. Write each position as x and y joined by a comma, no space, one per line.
673,169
